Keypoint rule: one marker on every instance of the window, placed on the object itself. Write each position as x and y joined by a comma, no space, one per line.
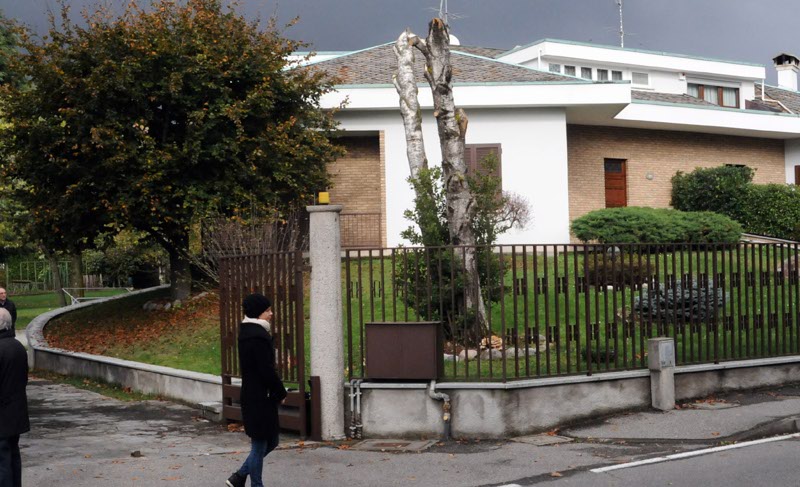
474,155
570,70
642,79
616,75
602,75
718,95
555,68
586,73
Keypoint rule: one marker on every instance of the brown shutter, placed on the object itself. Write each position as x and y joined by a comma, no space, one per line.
477,152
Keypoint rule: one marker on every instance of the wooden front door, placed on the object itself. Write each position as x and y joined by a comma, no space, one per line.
797,175
616,183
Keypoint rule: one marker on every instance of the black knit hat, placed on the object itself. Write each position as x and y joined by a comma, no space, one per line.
255,304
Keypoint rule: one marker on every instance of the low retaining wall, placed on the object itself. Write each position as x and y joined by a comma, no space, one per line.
181,385
502,410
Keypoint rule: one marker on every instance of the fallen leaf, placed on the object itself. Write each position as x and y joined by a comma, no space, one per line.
556,474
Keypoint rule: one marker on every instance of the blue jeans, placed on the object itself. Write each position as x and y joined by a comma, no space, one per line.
254,463
10,464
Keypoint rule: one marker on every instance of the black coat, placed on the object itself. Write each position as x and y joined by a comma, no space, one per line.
12,308
262,389
13,380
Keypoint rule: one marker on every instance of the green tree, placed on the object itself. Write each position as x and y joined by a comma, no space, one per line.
161,116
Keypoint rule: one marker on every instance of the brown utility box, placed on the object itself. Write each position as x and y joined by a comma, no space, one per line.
405,350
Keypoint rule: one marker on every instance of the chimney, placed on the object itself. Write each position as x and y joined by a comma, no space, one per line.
787,66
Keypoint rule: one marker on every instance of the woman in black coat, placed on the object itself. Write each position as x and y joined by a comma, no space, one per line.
13,401
262,388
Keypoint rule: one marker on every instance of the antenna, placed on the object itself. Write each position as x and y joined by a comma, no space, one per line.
443,11
621,25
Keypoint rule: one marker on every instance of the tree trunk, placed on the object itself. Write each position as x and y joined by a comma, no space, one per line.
406,86
52,259
452,127
180,276
76,273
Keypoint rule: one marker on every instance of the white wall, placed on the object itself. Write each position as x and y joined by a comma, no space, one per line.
534,144
792,157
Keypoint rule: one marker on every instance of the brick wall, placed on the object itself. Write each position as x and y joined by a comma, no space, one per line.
359,184
661,154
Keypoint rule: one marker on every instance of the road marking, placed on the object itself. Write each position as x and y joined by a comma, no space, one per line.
689,454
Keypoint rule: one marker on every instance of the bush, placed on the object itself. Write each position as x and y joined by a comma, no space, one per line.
654,226
772,210
763,209
693,303
614,270
718,189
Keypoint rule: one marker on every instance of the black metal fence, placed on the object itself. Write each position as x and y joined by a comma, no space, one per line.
579,309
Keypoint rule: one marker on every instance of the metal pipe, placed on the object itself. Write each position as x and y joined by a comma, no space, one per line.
352,409
446,416
358,426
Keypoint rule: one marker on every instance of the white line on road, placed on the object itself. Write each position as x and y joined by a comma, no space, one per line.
689,454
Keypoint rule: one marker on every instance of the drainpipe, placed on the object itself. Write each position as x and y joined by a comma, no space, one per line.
440,396
352,409
359,426
355,408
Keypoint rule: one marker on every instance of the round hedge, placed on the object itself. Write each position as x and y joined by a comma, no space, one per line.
655,226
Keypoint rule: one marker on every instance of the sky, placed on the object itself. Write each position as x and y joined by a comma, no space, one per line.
743,30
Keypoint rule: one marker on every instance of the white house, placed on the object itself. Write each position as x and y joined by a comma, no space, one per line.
578,127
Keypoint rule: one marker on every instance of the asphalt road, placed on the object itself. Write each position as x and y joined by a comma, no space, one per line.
771,464
80,438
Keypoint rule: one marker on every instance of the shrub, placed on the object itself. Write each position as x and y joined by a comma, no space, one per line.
694,302
718,189
772,210
654,226
614,270
763,209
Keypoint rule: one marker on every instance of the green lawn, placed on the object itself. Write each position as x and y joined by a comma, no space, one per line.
29,306
184,338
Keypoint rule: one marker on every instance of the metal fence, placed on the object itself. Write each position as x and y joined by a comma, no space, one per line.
578,309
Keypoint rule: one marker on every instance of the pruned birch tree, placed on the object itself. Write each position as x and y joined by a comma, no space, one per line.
452,127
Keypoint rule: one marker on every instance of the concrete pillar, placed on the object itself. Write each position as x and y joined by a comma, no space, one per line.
327,342
661,362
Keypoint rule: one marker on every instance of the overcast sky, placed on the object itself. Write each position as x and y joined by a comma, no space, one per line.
743,30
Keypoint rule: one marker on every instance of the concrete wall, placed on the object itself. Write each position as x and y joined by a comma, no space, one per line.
660,154
181,385
534,163
501,410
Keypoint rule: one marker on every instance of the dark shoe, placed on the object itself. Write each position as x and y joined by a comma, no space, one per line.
236,480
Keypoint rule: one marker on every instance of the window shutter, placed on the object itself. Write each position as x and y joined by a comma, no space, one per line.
475,153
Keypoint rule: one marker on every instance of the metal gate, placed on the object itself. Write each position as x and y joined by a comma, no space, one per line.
279,276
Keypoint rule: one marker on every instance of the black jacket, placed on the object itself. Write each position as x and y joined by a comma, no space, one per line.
12,308
13,380
262,389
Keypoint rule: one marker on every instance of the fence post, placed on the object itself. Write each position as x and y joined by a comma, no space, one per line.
661,362
327,341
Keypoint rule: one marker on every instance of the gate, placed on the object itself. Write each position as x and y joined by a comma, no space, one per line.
279,276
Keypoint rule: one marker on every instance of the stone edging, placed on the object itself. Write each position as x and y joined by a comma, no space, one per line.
182,385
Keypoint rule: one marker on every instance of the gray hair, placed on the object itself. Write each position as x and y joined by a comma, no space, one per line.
5,320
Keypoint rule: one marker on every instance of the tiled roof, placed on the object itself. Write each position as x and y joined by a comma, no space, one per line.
479,51
377,65
789,99
668,98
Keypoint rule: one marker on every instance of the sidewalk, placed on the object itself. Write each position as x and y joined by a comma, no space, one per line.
80,438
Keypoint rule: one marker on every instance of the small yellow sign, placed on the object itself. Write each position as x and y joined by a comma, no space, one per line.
324,198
